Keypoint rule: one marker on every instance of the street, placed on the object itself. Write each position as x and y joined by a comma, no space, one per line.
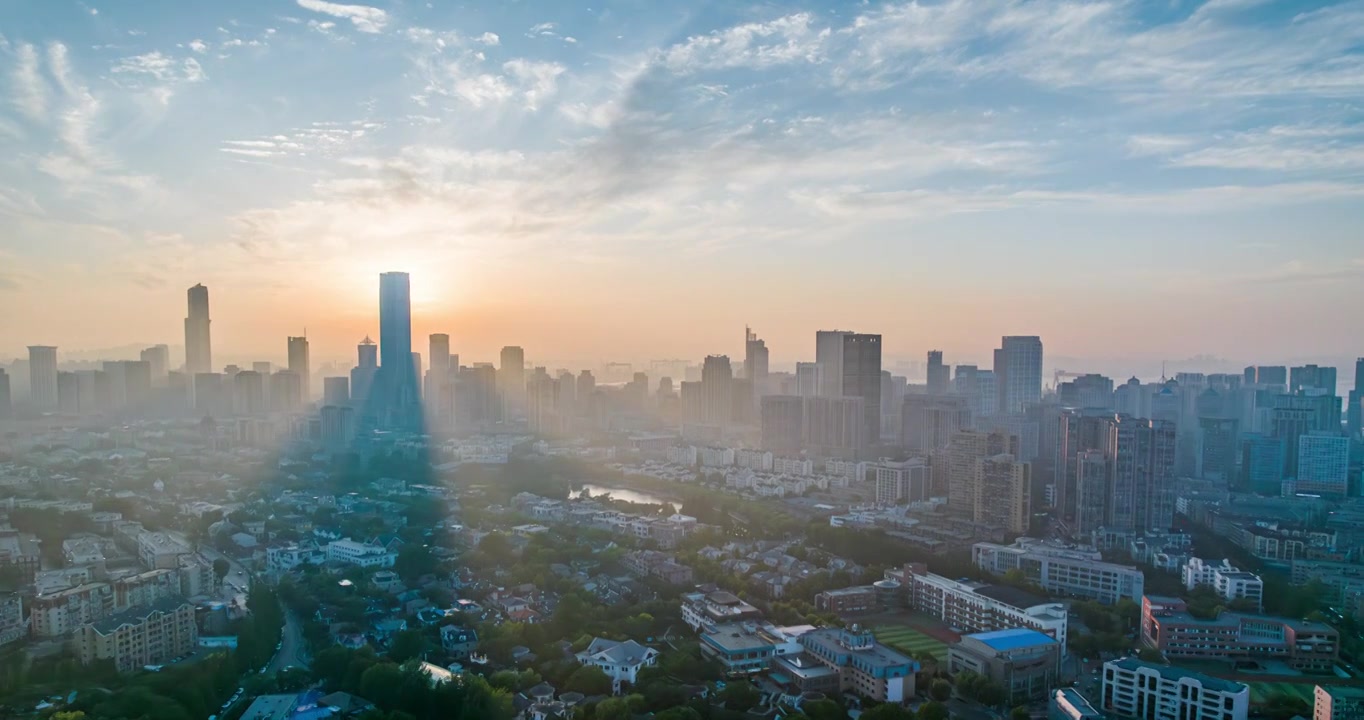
292,652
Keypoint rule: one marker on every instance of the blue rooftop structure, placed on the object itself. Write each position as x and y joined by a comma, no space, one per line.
1006,640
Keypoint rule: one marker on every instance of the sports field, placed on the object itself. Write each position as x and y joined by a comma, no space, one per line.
910,641
1261,691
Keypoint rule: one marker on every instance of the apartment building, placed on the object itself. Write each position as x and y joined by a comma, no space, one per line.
865,667
1063,570
1136,689
1026,663
350,552
287,557
145,588
972,607
141,636
1167,626
59,614
159,551
1229,582
715,608
1337,703
12,626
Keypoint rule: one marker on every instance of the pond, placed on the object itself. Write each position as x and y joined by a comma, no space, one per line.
634,496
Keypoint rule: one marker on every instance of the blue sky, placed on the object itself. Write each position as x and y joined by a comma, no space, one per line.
1148,178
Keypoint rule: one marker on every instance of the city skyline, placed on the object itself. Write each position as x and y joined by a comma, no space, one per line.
537,163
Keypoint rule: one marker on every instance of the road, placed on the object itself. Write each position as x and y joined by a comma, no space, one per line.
237,584
293,651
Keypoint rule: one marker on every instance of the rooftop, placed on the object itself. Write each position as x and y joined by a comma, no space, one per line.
270,707
137,615
1006,640
874,653
1011,596
1174,674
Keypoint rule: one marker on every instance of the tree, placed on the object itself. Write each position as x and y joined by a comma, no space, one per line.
1151,655
680,712
824,709
589,680
933,711
220,568
612,709
740,695
407,644
940,690
1020,713
888,711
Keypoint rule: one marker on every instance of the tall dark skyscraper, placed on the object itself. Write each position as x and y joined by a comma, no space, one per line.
198,347
1354,412
939,374
401,407
299,365
1018,372
862,378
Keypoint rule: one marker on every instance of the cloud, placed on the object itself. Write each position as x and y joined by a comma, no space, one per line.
537,80
158,74
490,39
30,90
785,40
366,19
198,46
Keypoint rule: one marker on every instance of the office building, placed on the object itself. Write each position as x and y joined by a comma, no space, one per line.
783,424
929,422
139,637
978,607
1337,703
1062,570
1167,626
1093,475
1230,583
1069,704
865,667
6,397
1218,448
400,400
286,392
850,366
439,388
755,361
212,396
363,374
1018,373
511,380
1262,463
198,346
901,483
1354,411
1136,689
829,359
1268,376
715,608
835,427
350,552
336,391
1086,391
1022,661
248,393
68,393
939,375
476,396
300,366
42,376
809,379
337,425
1323,464
1312,379
1142,495
1292,416
893,390
157,358
717,387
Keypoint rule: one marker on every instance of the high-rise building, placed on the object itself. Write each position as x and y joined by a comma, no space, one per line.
1267,375
938,373
157,358
285,392
337,423
1093,473
1018,371
363,374
42,376
1086,391
1323,464
198,346
1292,416
960,464
211,395
299,365
68,393
717,388
1354,413
1218,448
1003,493
783,423
476,400
808,379
829,357
248,393
401,406
1312,379
835,427
929,422
336,391
1262,463
862,378
6,398
511,380
1143,487
755,361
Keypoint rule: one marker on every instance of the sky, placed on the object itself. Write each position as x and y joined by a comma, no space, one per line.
629,180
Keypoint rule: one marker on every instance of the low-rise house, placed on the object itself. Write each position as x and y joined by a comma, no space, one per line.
621,661
460,642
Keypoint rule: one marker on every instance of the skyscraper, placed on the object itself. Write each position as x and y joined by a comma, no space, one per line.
829,358
336,391
363,374
755,361
42,376
1018,372
717,380
299,365
783,423
929,422
862,378
1312,379
439,386
1323,464
6,399
938,373
961,461
198,347
1354,411
400,402
511,380
1143,489
808,379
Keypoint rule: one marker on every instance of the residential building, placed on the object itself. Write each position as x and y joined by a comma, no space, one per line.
929,422
42,376
978,607
1024,662
1167,626
985,482
783,423
1337,703
1069,704
1228,581
12,625
901,483
141,636
1062,570
1136,689
287,557
60,613
460,642
835,427
621,661
865,667
1143,483
159,551
350,552
145,589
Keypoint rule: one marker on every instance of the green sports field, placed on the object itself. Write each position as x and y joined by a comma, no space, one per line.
1260,692
910,641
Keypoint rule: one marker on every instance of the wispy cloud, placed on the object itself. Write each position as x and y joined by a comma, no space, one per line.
30,90
365,18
